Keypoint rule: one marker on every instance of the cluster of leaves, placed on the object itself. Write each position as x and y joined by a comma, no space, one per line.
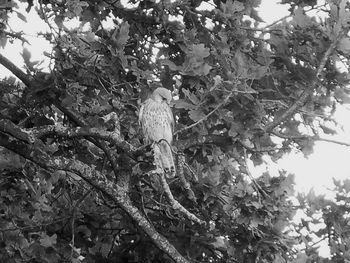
325,221
242,92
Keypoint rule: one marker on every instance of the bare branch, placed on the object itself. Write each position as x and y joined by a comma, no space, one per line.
307,137
27,80
332,141
113,137
175,204
186,185
8,127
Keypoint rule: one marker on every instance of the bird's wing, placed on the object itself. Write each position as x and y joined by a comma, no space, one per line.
170,117
141,111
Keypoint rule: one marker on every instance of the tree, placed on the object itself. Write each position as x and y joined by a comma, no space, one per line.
78,183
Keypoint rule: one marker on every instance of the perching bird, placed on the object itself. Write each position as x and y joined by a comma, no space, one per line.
157,122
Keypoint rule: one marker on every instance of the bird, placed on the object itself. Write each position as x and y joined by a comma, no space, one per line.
157,124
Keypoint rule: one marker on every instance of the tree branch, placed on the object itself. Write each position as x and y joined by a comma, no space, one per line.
8,127
117,193
304,137
175,204
27,80
180,172
208,115
59,129
307,91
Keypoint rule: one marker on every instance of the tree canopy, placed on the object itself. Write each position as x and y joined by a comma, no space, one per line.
77,180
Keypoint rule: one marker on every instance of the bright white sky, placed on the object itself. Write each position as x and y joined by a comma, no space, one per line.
329,160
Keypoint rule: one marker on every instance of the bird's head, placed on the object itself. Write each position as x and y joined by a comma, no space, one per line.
162,94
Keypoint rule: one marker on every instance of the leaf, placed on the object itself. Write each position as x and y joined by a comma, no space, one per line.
342,95
182,104
21,16
202,70
26,55
193,98
259,71
231,7
219,243
217,81
75,7
3,40
105,249
200,51
344,15
170,64
287,185
233,131
327,130
346,185
121,35
196,115
301,258
344,45
59,21
301,19
47,241
307,147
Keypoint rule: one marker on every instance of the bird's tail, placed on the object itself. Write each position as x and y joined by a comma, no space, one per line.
165,156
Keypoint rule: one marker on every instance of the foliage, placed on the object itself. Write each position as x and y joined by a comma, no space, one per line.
331,219
76,182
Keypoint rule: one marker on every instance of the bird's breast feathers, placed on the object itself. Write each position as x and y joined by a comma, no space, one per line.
156,120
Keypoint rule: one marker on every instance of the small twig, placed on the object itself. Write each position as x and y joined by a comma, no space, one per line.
75,207
259,188
33,228
304,137
17,35
183,181
194,175
73,235
208,115
333,141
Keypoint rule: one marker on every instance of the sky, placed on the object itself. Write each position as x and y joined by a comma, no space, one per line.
328,160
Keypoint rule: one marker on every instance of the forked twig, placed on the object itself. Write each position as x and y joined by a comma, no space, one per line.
259,188
208,115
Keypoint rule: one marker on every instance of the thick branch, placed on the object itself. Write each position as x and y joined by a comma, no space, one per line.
115,192
307,91
175,204
58,129
8,127
16,71
75,118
